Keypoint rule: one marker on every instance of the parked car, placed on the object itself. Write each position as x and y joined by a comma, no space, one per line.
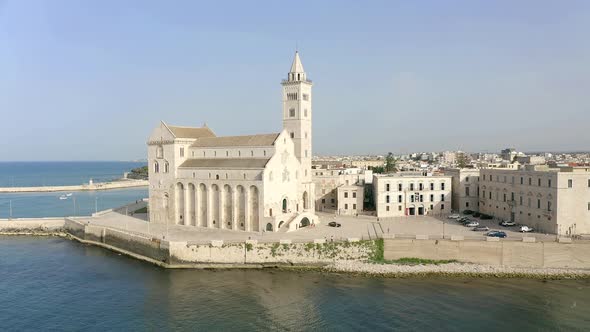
485,217
507,223
467,211
477,214
472,223
481,229
526,229
454,216
334,224
467,219
499,234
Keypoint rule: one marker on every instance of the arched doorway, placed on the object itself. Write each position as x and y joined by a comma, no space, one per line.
281,223
305,201
304,222
284,205
269,227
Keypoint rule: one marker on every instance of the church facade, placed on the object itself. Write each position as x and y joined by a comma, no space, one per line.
244,183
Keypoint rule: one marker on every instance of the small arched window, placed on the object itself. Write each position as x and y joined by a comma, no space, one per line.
156,167
166,167
217,177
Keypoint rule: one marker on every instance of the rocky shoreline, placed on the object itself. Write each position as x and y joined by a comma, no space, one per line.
453,269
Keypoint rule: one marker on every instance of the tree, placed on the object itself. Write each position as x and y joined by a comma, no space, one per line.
390,163
378,169
461,160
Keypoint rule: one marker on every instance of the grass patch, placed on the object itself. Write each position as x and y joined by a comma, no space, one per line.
418,261
142,210
377,255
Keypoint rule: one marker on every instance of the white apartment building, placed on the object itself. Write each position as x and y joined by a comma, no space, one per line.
465,188
398,195
551,200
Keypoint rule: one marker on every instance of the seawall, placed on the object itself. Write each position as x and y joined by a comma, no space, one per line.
82,187
254,254
216,253
494,253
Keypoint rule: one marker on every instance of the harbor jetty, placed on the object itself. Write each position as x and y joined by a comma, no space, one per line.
124,183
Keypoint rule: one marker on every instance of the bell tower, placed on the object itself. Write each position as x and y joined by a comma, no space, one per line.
297,114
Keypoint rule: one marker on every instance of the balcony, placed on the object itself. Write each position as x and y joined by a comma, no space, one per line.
293,82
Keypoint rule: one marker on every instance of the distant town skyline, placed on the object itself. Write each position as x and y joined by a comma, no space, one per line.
89,81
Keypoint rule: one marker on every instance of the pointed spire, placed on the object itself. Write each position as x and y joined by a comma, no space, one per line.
297,66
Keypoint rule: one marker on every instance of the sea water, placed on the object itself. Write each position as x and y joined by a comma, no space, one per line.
53,284
49,204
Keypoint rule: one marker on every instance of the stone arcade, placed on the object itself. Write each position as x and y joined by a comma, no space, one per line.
243,183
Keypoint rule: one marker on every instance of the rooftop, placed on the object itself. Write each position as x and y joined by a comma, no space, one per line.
231,141
228,163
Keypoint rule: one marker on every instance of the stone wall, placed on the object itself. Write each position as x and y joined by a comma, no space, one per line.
500,253
137,244
270,253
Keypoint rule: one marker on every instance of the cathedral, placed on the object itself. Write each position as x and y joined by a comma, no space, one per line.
243,183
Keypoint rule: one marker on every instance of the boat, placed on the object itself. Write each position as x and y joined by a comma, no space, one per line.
62,197
69,194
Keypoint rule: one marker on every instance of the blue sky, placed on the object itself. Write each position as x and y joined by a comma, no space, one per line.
88,80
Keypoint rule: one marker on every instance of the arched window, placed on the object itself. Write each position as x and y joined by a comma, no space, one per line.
166,167
156,167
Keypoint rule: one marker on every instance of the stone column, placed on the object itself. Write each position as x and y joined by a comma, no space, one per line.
209,213
197,204
235,209
187,217
247,209
221,207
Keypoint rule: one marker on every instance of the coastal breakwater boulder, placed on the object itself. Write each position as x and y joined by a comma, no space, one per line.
33,226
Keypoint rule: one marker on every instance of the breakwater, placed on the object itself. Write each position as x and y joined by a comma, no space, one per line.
83,187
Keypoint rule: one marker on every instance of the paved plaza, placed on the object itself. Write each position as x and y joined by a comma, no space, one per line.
361,227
